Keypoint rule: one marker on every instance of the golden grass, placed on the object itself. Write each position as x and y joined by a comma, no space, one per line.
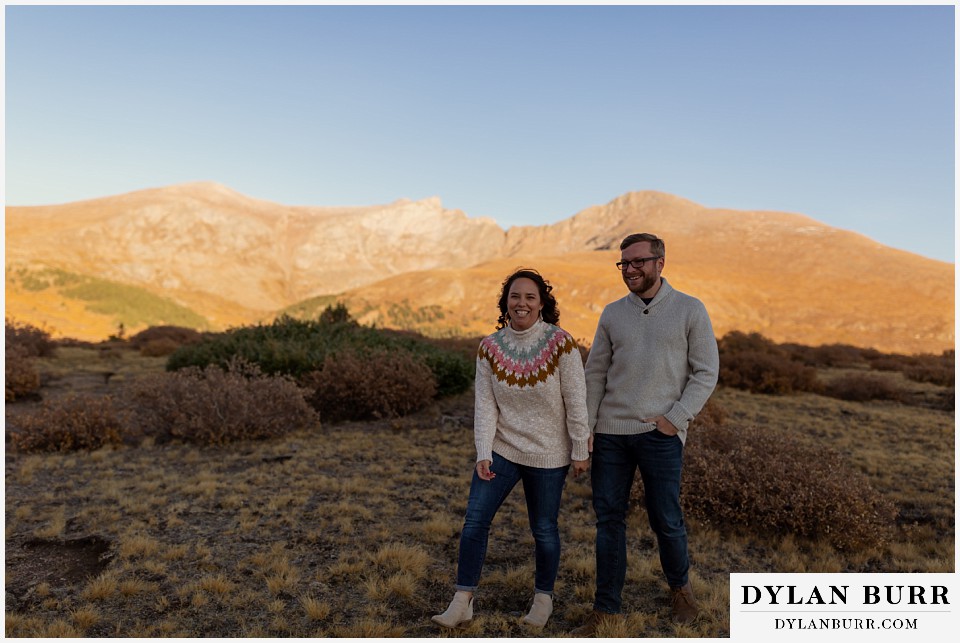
232,542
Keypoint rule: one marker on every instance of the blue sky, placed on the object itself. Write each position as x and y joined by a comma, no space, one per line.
526,114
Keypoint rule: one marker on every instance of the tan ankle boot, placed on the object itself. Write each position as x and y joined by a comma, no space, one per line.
540,611
459,613
594,621
683,604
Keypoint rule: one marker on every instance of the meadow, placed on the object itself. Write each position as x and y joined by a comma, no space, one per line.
350,529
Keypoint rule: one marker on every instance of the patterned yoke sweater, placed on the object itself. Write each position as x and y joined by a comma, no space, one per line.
531,397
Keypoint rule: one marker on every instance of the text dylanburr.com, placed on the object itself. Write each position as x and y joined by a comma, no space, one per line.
851,607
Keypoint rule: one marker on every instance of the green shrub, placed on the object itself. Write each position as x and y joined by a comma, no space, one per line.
376,383
75,422
36,341
296,347
765,481
213,406
22,378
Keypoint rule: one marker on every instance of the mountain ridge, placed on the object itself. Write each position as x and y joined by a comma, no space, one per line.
235,259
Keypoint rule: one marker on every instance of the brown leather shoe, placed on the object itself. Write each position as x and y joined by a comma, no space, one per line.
594,621
683,604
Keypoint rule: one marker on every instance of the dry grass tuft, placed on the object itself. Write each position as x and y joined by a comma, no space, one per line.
315,610
139,546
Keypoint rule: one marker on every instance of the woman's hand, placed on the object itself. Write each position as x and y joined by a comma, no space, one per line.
483,470
580,466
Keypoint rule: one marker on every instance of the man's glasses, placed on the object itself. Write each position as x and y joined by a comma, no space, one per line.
636,263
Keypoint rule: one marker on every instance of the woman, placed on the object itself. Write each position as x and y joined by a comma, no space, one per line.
530,424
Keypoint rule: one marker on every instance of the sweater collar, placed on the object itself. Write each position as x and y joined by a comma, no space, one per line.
534,330
665,289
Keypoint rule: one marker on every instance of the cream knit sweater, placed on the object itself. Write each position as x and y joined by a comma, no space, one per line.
531,397
651,359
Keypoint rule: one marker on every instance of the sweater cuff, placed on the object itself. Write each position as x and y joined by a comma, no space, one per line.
580,451
484,453
678,416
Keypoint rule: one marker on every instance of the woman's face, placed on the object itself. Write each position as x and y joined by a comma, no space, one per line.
523,303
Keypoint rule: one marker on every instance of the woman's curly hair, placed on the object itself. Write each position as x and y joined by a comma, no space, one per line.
550,312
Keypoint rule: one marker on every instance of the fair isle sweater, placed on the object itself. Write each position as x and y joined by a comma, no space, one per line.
530,397
648,360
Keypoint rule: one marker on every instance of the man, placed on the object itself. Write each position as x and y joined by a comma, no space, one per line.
653,365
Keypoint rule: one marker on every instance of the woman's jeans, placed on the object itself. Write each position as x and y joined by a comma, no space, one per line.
542,489
615,459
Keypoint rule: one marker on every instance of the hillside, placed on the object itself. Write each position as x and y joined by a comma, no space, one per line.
232,259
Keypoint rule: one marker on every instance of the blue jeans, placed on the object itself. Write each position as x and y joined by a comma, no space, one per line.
615,459
542,489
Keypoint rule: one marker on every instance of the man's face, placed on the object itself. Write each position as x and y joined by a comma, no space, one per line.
644,281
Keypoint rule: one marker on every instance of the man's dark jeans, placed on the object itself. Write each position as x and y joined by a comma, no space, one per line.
615,459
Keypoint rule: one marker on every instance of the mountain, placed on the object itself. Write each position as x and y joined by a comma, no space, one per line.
204,249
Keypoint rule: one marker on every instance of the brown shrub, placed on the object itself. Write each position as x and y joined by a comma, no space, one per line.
160,347
215,407
22,377
375,384
766,372
890,362
70,423
712,414
756,364
175,335
857,387
36,341
766,481
933,369
826,355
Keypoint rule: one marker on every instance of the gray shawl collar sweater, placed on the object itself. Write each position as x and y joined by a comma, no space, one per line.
650,359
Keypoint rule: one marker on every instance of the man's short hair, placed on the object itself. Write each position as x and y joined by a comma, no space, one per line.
656,243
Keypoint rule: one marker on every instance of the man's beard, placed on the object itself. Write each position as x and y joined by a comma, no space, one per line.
642,285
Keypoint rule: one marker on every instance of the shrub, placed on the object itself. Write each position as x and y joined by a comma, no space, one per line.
756,364
296,347
357,385
761,372
827,355
171,335
451,373
738,342
36,341
891,362
213,406
933,369
766,481
22,377
160,347
857,387
71,423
